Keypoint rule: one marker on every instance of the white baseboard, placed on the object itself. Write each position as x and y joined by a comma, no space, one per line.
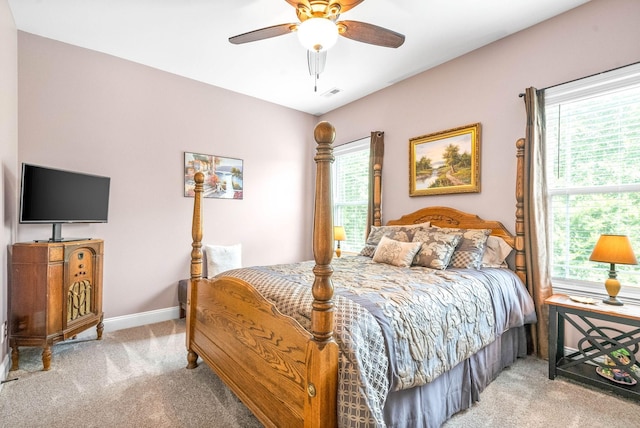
112,324
134,320
4,369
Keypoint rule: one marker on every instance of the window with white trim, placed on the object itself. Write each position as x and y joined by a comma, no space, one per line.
593,175
350,172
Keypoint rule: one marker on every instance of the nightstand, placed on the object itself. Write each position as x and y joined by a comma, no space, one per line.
604,330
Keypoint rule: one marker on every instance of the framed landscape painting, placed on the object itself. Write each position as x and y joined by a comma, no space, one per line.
222,176
445,162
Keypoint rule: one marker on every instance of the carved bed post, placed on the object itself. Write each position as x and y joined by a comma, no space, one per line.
196,228
520,260
377,194
322,351
196,263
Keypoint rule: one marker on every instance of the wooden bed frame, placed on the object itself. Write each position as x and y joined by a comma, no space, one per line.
286,375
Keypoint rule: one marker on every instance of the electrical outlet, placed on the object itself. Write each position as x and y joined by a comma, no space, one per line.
4,332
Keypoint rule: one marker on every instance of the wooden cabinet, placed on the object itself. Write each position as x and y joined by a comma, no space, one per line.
55,292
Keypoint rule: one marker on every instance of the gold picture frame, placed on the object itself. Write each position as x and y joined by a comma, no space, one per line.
445,162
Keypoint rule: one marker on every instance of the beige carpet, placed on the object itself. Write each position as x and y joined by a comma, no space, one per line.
131,378
136,377
523,396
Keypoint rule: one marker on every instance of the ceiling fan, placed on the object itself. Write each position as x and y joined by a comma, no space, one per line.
319,28
330,11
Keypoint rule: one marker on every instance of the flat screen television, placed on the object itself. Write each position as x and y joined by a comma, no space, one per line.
55,196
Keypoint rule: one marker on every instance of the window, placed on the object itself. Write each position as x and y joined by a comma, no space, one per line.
593,173
351,191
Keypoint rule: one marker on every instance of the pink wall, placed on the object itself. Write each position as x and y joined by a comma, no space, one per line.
86,111
483,86
8,156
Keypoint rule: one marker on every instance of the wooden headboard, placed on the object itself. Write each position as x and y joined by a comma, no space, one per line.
450,217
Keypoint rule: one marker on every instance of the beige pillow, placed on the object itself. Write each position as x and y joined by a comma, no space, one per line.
496,252
403,233
437,248
396,253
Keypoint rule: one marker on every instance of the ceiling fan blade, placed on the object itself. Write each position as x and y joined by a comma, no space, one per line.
371,34
263,33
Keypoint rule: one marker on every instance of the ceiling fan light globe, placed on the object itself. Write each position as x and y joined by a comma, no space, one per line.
317,34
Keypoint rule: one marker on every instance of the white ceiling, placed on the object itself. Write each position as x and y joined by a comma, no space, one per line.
190,38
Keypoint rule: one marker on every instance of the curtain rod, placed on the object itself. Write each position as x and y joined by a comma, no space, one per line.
584,77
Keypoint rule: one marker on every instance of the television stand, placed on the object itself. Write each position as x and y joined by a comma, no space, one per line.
56,235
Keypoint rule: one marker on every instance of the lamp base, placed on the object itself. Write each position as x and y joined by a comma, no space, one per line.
613,288
612,300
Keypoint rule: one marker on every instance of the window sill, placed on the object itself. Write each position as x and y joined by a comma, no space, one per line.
628,294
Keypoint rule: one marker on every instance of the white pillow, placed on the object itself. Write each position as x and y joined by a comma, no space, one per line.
396,253
221,258
495,252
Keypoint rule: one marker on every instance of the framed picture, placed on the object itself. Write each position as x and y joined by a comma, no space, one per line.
222,176
445,162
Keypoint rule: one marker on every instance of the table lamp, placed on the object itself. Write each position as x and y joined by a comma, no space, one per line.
339,235
613,249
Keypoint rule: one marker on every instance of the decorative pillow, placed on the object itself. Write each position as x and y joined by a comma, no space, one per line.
396,253
437,247
397,233
468,253
221,258
496,252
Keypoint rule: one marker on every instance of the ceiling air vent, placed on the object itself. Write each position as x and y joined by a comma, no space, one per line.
331,92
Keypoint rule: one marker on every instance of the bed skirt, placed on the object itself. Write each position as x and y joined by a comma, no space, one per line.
432,404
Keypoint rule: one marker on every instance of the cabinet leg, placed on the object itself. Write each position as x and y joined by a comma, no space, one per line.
15,357
100,329
46,357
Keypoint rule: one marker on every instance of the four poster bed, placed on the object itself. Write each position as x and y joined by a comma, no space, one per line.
366,340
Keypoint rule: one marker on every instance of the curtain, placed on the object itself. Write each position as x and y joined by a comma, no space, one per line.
536,242
376,154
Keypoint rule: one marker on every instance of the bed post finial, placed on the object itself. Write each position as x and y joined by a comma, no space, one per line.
322,350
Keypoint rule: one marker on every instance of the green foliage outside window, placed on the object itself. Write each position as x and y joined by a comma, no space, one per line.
351,192
593,177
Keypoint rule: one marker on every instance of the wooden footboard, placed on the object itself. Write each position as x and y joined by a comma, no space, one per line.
285,375
259,353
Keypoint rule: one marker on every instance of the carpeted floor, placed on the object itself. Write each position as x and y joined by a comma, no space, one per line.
131,378
523,396
137,377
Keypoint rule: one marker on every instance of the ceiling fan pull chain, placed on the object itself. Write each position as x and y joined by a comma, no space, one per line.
316,61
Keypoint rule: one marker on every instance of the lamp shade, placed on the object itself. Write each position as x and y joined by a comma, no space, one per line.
317,34
613,249
339,233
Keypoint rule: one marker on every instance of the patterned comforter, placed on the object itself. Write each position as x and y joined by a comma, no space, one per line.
397,327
